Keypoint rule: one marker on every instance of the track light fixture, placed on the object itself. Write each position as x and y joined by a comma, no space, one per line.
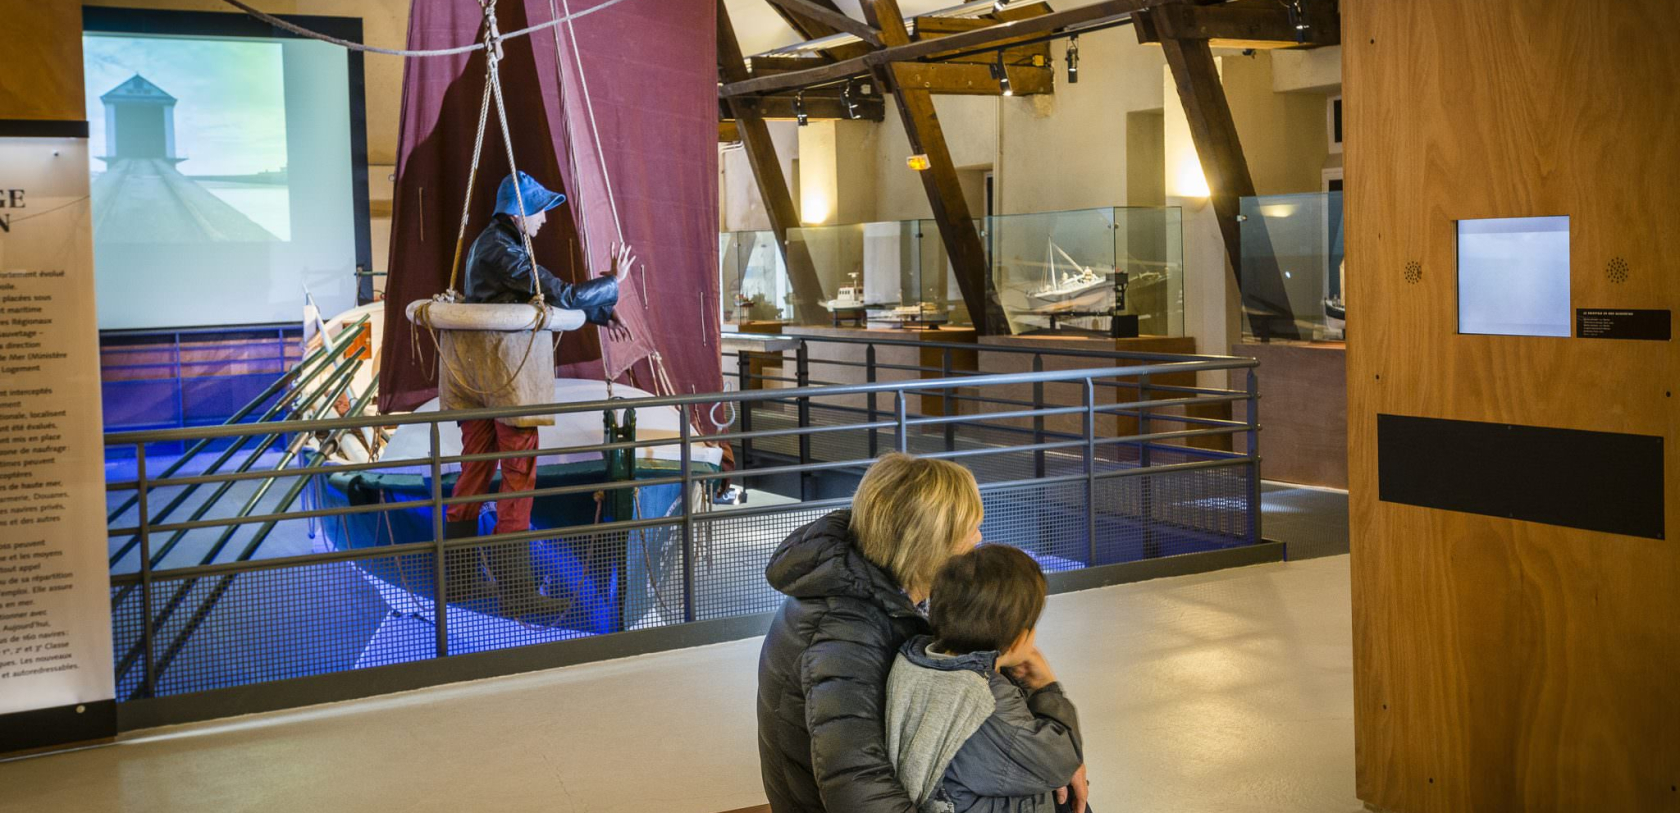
1001,73
1073,60
799,109
1298,19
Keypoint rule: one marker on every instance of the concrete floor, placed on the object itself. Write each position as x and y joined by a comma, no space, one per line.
1228,691
1312,521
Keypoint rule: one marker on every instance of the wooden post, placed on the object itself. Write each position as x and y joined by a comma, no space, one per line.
1214,133
944,190
767,170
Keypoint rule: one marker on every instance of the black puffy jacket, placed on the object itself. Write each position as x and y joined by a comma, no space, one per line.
822,675
499,272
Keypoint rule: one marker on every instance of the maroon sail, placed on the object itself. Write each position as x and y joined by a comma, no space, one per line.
618,109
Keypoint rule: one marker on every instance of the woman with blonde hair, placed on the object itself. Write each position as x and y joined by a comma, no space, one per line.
854,581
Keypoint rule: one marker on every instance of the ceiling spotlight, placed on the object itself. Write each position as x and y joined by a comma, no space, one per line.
849,98
1298,19
1073,60
799,109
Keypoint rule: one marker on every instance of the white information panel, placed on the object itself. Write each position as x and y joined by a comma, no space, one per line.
55,598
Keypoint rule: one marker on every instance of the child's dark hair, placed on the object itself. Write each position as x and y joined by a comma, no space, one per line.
984,600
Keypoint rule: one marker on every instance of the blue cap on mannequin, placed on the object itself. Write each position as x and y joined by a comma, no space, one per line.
537,198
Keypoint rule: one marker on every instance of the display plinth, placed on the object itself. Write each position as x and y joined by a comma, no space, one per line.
1304,390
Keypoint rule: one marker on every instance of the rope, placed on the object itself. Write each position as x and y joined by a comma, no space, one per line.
472,178
357,46
594,131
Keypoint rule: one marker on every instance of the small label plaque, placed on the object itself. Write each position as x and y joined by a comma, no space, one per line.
1616,323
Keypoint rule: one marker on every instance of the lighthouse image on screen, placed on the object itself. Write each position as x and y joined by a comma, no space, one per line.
219,175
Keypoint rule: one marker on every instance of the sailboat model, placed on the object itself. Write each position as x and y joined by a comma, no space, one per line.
1079,288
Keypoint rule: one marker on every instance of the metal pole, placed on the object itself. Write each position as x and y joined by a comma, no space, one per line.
687,528
1254,488
903,421
948,406
743,371
1146,484
440,577
1038,420
869,376
148,675
1091,472
180,396
802,378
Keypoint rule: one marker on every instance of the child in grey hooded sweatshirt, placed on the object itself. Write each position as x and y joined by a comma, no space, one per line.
976,722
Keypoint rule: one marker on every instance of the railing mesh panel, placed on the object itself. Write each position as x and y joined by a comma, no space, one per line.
731,553
297,620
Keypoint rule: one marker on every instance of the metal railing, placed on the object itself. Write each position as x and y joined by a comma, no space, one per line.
1073,499
176,378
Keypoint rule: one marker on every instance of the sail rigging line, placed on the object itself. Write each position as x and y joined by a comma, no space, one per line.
594,129
581,211
403,52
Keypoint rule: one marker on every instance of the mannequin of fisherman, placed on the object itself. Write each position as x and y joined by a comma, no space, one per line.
492,369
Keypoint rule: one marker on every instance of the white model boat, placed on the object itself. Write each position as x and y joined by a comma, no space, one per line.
1079,288
917,313
850,298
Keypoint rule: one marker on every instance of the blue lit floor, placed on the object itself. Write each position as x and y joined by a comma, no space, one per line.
182,503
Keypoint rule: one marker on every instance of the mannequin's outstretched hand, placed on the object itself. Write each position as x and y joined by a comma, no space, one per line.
617,330
623,259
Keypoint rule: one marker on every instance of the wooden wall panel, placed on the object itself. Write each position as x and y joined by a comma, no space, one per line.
1503,665
41,71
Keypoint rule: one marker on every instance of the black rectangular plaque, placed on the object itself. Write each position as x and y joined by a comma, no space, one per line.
60,725
1622,323
1598,481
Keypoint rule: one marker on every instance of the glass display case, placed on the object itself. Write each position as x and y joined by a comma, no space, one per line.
1056,272
879,273
1071,271
754,279
1293,267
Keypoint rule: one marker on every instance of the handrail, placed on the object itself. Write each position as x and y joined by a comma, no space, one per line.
976,347
734,396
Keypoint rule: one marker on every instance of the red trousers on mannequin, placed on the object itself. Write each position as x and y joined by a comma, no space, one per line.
518,473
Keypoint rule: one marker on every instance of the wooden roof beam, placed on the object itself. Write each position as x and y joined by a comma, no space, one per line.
821,104
974,79
1241,24
913,51
939,180
809,29
830,16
